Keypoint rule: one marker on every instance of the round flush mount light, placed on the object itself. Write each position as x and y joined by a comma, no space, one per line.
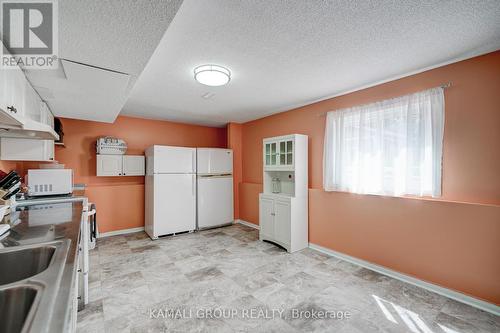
212,75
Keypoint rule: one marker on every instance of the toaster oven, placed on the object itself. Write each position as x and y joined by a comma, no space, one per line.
43,182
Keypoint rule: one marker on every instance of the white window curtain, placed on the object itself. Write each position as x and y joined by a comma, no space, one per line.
393,147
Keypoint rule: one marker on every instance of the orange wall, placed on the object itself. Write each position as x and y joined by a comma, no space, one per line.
424,238
120,200
7,166
234,132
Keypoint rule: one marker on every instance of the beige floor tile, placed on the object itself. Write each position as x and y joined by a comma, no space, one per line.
230,268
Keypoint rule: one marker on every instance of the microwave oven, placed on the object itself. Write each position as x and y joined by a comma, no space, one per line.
50,182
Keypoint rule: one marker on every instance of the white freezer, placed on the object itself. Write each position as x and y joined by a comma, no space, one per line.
170,204
215,201
167,159
215,161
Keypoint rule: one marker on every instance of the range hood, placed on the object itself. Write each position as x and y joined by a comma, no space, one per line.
29,130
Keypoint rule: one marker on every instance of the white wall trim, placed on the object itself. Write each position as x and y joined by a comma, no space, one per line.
248,224
457,296
120,232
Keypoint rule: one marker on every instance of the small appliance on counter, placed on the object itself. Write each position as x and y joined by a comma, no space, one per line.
43,182
111,146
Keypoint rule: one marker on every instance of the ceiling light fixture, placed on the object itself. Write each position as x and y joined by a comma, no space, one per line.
212,75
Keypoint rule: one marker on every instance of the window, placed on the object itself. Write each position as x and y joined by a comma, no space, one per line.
392,147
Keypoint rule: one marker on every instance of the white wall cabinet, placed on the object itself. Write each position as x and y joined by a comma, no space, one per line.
12,149
121,165
283,210
32,106
12,91
20,148
133,165
109,165
22,112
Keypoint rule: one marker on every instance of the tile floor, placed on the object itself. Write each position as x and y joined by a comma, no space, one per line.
176,283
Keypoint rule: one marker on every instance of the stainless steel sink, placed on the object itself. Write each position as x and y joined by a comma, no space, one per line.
29,284
17,305
22,264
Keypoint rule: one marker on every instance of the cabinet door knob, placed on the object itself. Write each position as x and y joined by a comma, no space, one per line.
273,214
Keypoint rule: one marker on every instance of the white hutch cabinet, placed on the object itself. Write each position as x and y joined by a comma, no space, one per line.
283,206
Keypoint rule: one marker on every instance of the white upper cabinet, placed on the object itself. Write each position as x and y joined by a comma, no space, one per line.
121,165
32,106
46,117
22,111
12,96
12,149
109,165
279,153
133,165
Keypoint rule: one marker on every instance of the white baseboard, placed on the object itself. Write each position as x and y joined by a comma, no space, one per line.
457,296
120,232
248,224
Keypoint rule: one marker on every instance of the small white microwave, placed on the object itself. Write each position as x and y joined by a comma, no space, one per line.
50,182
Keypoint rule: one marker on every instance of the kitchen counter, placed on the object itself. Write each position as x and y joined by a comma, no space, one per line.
53,222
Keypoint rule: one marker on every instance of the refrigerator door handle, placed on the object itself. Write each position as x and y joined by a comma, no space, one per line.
193,158
222,175
193,186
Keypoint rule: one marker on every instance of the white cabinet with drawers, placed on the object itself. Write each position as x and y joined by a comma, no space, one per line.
283,206
121,165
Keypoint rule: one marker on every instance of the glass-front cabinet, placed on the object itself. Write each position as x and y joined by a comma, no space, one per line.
271,154
279,153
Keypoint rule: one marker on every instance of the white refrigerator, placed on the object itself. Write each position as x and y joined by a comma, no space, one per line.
215,187
170,190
